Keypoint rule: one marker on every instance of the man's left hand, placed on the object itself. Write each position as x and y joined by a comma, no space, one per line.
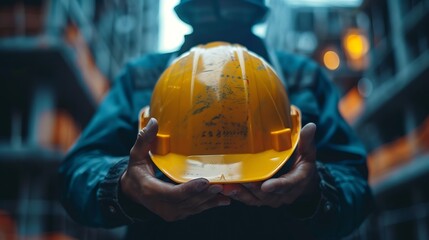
301,181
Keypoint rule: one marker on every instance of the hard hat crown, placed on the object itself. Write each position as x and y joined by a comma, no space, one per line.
218,101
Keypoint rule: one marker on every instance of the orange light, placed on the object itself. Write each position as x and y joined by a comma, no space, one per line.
356,44
351,105
331,60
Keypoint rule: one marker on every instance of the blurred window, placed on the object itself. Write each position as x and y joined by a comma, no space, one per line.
172,29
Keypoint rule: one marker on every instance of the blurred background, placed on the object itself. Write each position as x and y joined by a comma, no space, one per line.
59,57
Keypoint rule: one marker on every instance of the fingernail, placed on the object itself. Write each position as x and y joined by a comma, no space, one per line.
147,128
150,124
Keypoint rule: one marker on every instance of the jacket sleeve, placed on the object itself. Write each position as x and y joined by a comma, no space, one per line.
341,158
90,173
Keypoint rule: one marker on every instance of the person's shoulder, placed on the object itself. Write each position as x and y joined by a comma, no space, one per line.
292,62
300,71
144,71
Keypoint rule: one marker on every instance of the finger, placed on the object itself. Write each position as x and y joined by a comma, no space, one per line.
255,189
306,142
230,189
180,192
306,153
145,137
292,195
281,185
188,189
267,199
297,177
196,200
242,194
216,201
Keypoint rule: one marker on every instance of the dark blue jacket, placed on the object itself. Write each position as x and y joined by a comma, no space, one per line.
90,174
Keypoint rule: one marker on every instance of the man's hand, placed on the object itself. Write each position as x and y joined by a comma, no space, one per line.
169,201
301,181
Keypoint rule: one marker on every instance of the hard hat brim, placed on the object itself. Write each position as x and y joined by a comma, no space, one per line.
228,168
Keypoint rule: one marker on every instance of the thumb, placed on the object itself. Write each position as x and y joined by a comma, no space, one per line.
306,143
145,137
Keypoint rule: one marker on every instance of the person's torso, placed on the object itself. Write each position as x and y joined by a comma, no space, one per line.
235,221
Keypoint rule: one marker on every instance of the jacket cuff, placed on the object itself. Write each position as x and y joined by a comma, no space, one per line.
116,207
108,196
324,210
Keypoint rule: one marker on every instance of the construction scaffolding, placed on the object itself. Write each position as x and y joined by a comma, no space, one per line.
57,60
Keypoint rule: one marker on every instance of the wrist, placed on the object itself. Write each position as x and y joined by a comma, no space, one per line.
128,200
126,188
312,190
108,195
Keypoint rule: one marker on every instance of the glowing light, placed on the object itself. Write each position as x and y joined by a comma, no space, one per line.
356,44
172,29
331,60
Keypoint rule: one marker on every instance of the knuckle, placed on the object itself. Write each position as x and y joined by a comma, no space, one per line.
183,190
135,154
142,133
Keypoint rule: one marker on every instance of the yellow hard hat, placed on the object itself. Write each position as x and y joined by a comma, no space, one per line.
223,115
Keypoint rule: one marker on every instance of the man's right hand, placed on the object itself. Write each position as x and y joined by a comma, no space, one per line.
169,201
